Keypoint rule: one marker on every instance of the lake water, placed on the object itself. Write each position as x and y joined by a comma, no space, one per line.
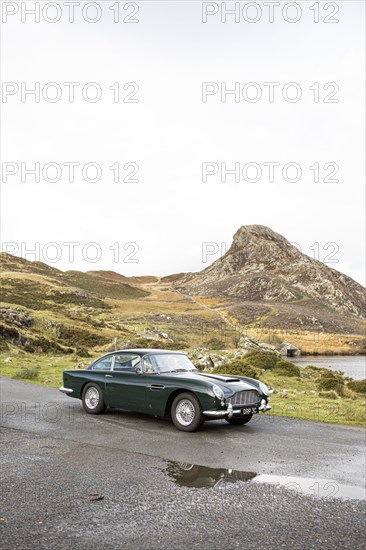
354,366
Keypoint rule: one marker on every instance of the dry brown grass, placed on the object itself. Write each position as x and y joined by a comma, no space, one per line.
312,343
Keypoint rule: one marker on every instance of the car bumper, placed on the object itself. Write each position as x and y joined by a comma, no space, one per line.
230,411
66,390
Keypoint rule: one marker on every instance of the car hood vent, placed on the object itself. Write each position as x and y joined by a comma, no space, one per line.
221,377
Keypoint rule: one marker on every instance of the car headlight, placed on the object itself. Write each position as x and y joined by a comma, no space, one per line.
218,392
263,388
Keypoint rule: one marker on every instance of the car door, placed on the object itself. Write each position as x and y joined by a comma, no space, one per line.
158,386
99,371
124,385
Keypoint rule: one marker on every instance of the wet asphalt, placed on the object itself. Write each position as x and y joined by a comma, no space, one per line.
69,480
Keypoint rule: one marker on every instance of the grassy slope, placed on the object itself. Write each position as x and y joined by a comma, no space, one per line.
105,304
111,304
303,401
80,310
104,286
311,342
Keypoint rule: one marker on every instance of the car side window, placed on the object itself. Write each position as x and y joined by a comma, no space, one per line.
149,366
126,362
103,364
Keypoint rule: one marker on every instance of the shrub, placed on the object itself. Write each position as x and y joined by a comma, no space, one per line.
82,352
215,343
27,373
3,346
237,368
80,337
328,394
331,381
285,368
359,386
262,359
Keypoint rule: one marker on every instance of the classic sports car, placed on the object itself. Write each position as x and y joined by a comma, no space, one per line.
165,383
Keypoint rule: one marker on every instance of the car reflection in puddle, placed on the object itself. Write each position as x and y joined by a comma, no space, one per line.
192,475
198,477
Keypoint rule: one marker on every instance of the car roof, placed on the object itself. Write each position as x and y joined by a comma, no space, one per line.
144,351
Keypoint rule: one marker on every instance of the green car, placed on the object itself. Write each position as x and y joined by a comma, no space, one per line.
165,383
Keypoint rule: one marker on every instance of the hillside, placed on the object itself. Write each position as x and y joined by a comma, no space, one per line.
44,309
262,287
266,279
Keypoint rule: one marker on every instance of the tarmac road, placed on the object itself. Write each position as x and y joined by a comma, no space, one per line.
123,480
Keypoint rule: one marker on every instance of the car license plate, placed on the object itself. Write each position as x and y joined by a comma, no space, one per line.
249,410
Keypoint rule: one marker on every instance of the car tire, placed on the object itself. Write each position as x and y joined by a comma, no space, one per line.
239,421
186,412
92,399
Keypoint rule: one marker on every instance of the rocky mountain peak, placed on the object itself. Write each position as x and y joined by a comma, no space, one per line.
256,231
263,266
259,247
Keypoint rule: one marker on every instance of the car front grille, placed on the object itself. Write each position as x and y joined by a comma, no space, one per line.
246,397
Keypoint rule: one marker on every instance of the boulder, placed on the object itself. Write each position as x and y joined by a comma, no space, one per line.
268,347
198,352
219,360
205,363
164,336
248,343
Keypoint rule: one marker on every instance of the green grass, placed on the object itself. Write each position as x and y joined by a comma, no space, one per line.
305,401
37,296
308,393
48,368
26,373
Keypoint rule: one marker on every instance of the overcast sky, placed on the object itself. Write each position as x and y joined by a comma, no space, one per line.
169,132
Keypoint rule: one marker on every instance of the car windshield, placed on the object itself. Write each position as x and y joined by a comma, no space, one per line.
174,362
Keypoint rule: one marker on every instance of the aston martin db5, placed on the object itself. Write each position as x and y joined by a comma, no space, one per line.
165,384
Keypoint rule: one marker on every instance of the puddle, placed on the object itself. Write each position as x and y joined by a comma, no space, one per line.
192,475
195,476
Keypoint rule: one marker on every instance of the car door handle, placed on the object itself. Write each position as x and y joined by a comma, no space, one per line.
156,387
108,376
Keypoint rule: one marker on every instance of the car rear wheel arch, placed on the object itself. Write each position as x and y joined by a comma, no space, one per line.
84,384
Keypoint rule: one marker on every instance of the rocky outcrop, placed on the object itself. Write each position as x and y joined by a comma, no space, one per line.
204,360
262,266
252,343
16,316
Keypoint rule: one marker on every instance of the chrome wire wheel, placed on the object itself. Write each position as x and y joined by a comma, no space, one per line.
185,466
92,398
185,412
